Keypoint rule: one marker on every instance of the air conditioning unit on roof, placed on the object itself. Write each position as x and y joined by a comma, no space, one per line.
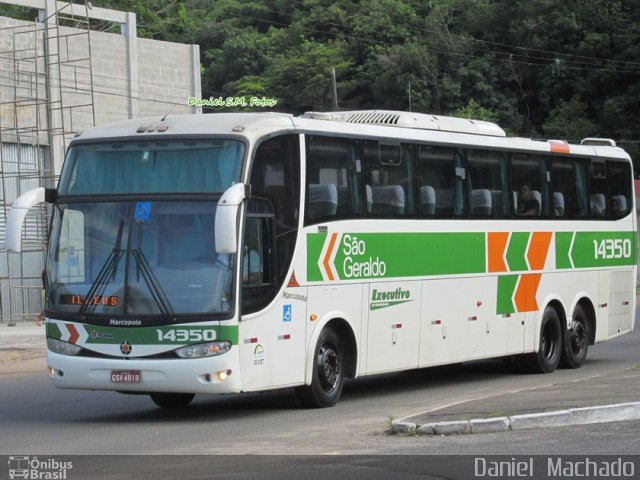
411,120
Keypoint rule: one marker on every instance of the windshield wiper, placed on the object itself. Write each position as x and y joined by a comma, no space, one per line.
106,274
159,297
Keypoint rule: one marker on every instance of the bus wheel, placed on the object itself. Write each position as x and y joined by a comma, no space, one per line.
576,340
328,373
172,400
547,358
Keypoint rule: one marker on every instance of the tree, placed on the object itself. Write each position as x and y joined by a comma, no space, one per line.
569,121
563,69
300,78
474,111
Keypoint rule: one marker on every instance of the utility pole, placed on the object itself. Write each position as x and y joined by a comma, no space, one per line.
334,90
409,95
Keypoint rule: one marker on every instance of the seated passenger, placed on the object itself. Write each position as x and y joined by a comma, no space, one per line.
528,205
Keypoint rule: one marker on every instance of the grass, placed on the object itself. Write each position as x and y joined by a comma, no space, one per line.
390,430
497,415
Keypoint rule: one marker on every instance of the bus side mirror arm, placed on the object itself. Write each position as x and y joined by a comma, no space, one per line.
19,209
227,217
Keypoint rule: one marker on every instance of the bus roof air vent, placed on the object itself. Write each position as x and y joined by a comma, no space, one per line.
599,142
411,120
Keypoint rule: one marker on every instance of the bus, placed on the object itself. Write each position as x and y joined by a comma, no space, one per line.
19,467
243,252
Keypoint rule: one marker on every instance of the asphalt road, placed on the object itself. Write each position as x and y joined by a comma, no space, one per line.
37,419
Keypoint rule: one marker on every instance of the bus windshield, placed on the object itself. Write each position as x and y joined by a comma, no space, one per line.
137,258
131,238
138,167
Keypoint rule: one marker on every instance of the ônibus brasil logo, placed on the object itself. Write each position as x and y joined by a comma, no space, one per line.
34,468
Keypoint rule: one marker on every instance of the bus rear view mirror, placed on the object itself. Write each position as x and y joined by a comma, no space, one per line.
227,217
19,210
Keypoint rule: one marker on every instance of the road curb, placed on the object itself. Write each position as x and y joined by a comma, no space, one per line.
558,418
490,425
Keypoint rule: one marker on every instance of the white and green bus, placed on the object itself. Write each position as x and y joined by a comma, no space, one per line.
243,252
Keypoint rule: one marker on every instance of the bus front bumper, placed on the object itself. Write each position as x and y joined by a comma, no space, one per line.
202,375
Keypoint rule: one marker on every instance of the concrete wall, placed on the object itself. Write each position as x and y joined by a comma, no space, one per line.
89,78
119,77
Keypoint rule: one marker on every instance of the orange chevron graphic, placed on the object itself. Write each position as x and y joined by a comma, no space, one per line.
538,249
327,257
496,246
73,333
525,296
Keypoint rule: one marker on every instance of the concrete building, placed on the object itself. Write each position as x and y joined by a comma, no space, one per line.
58,76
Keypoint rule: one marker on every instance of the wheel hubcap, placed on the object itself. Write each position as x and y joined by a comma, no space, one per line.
329,367
578,336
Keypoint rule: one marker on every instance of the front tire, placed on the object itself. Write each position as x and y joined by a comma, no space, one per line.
328,373
547,358
576,340
172,400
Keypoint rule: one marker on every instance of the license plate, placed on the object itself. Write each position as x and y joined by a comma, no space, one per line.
126,376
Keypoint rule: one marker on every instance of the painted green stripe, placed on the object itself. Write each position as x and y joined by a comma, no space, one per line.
517,250
53,331
181,335
563,244
160,335
417,254
315,241
380,305
363,256
391,255
506,288
604,249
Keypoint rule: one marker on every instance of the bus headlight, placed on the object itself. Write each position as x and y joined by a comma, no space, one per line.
63,348
210,349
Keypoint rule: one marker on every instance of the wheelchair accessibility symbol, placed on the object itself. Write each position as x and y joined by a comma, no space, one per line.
142,212
286,313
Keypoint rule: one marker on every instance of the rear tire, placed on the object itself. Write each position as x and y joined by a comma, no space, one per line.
576,340
328,373
172,400
547,358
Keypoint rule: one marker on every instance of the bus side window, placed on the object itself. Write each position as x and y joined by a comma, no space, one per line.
530,187
619,179
441,182
257,252
598,203
258,261
569,178
275,192
488,181
333,183
389,176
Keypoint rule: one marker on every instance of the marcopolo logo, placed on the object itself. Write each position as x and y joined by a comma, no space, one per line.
34,468
389,298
